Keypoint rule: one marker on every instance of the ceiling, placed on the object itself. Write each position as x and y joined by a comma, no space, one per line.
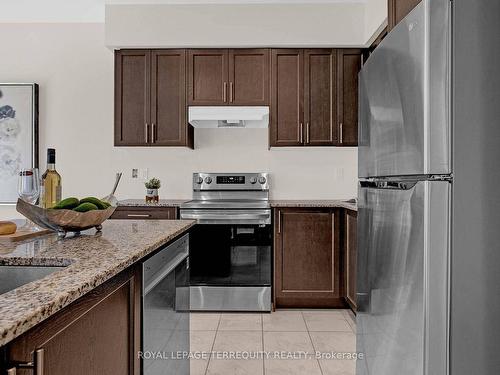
93,10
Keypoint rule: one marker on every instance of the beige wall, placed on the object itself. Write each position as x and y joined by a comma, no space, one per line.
228,25
75,73
375,18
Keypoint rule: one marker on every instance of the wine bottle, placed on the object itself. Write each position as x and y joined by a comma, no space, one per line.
51,182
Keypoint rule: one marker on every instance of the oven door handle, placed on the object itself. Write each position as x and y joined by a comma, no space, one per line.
228,216
160,275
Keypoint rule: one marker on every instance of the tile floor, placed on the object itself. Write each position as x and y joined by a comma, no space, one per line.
284,330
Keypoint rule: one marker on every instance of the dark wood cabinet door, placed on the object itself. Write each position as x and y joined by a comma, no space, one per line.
97,334
320,97
287,97
399,9
249,76
168,98
306,258
132,97
350,257
208,77
349,65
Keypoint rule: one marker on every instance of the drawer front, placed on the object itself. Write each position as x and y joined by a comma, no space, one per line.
145,213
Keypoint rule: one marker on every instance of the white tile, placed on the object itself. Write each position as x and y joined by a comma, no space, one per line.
242,341
288,341
340,342
240,322
284,321
235,367
204,321
351,319
292,367
198,366
202,341
338,367
326,321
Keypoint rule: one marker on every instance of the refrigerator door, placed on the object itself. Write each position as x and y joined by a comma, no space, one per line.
402,284
404,98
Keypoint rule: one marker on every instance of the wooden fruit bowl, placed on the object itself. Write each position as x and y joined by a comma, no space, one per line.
64,221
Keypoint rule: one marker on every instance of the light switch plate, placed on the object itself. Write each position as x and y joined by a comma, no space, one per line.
135,172
144,173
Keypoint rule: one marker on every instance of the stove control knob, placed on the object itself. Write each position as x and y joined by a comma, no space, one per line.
199,180
208,180
262,180
253,180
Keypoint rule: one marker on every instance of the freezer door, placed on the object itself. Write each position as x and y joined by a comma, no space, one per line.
402,279
404,98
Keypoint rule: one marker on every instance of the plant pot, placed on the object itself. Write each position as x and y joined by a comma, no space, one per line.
152,196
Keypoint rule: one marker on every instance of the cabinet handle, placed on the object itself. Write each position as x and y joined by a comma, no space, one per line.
138,215
224,94
37,365
39,361
301,133
279,221
231,92
146,132
153,132
307,133
341,136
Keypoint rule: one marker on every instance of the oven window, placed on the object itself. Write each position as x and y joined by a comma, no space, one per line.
235,255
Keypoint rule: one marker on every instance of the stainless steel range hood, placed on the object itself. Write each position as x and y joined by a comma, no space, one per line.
229,117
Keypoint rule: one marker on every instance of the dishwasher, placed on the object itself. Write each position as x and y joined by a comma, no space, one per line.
165,310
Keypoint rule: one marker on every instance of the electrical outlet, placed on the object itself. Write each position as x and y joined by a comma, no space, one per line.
135,173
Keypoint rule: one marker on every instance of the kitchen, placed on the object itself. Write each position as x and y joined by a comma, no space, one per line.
310,173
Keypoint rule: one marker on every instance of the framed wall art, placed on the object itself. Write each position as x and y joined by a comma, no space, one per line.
18,135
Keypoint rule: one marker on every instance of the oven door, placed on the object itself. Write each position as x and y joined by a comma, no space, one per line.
165,325
231,267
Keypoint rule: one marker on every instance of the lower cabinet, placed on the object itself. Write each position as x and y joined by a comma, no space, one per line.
145,213
350,257
97,334
307,258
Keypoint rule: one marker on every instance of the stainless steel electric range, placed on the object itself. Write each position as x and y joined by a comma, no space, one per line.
231,247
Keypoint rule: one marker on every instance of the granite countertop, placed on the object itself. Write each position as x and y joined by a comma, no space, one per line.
161,203
316,203
90,260
274,203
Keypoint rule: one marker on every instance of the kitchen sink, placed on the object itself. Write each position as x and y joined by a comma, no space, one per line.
12,277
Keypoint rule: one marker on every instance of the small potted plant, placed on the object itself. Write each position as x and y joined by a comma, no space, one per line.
152,187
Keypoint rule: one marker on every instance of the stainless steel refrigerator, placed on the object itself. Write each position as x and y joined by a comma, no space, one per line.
428,281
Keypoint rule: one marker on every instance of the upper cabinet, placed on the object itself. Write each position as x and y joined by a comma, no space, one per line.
312,93
132,97
314,97
349,65
286,123
398,9
207,77
320,97
228,77
249,76
150,98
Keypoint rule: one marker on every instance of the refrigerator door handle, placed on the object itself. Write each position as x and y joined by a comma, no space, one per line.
393,185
